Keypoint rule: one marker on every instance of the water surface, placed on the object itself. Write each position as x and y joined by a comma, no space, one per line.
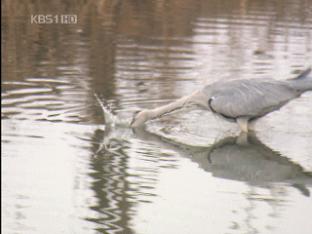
65,170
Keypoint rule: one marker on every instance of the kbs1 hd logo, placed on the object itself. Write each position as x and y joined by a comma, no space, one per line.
53,19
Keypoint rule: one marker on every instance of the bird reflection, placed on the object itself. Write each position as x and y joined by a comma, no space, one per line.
245,158
242,158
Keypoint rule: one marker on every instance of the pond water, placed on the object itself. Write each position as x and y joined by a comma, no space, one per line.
65,170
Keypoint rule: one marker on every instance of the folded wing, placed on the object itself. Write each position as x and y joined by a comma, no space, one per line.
250,98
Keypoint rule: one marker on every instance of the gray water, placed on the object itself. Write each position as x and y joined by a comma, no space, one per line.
65,170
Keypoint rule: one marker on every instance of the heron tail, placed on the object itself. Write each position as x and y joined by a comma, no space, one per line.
303,82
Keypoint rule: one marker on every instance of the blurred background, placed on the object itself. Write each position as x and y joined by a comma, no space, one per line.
65,171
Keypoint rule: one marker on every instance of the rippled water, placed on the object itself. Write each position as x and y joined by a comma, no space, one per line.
65,170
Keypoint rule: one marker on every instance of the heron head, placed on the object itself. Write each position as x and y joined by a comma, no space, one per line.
139,118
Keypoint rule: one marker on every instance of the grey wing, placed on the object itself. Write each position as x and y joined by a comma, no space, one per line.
250,98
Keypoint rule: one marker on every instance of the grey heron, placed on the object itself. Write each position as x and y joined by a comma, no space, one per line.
241,101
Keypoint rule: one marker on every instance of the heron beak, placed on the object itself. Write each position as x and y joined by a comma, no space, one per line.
134,118
131,124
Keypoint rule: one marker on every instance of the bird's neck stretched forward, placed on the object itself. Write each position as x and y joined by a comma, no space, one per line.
177,104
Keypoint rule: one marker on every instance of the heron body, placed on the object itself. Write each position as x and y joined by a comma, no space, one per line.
238,100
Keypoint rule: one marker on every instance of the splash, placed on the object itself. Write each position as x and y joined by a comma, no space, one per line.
110,118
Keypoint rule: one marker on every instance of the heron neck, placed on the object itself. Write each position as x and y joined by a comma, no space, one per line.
159,111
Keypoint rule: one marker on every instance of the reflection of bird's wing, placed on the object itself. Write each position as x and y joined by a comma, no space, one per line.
249,98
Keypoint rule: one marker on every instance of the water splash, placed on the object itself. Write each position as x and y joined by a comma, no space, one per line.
110,118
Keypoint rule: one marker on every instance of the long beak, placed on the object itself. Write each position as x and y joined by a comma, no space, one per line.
132,121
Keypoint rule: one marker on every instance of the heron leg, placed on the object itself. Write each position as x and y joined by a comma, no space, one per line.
243,123
242,139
